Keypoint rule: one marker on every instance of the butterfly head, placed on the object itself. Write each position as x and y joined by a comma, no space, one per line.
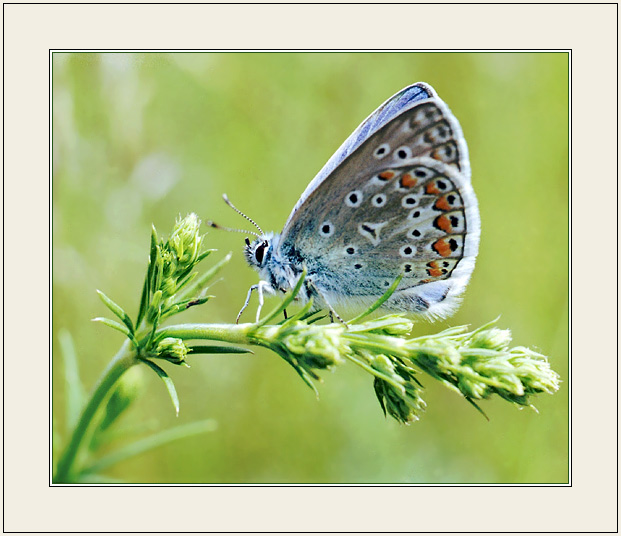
258,251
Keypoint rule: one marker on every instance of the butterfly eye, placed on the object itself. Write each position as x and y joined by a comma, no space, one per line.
260,252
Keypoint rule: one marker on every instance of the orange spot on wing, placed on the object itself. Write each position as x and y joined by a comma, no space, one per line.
432,188
434,272
441,247
443,223
407,181
442,204
386,175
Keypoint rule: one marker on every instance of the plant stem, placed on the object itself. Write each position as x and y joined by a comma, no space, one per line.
122,361
233,333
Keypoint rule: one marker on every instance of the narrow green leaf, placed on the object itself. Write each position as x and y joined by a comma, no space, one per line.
158,269
307,376
154,441
167,382
144,301
378,386
204,254
150,340
301,314
379,302
117,310
152,259
196,301
183,305
76,395
219,350
113,324
185,279
477,407
200,282
308,317
119,327
316,319
289,297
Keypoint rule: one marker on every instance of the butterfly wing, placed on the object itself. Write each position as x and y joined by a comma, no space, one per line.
395,198
395,105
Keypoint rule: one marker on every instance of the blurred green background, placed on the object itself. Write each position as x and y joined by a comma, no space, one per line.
142,138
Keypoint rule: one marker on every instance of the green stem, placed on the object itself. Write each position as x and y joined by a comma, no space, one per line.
122,361
234,333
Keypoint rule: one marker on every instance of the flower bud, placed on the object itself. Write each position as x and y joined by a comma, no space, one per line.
174,350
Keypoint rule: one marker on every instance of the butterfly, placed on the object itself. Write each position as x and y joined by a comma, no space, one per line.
394,199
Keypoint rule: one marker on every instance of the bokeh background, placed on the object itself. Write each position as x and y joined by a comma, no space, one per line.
143,138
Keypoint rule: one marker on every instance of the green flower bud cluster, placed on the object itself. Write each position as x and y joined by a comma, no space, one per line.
306,347
481,363
172,349
477,364
171,269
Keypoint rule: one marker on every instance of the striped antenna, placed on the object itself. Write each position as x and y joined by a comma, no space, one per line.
216,226
226,200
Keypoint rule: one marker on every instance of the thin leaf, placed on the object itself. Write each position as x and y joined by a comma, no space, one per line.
379,302
289,297
477,407
147,290
316,319
183,305
154,441
219,350
202,280
150,341
307,376
152,252
197,301
185,279
144,301
378,386
119,327
204,254
308,317
76,396
167,382
117,310
158,269
301,314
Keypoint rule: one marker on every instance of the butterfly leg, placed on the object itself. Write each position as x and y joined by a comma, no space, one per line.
253,287
330,308
259,288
